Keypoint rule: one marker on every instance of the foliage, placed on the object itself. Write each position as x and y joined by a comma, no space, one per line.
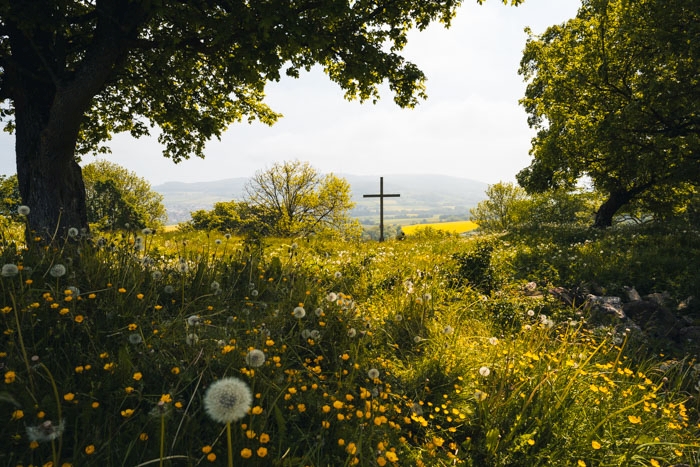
373,354
298,200
10,199
503,208
613,96
117,198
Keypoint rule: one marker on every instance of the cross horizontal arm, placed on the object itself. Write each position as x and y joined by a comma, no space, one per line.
381,196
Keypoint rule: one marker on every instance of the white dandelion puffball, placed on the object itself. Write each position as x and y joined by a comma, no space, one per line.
57,270
227,400
373,373
255,358
484,371
23,210
9,270
299,312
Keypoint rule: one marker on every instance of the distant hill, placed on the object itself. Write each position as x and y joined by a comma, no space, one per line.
422,196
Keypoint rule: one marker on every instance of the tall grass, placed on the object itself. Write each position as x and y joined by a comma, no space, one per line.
399,353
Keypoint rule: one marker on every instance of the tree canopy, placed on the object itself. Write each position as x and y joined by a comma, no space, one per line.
614,96
119,198
73,73
298,200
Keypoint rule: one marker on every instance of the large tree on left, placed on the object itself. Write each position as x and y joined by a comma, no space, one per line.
74,72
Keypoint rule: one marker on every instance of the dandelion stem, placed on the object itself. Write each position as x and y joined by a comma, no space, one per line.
162,439
229,444
22,346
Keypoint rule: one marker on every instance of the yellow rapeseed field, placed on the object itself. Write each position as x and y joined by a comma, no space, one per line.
457,227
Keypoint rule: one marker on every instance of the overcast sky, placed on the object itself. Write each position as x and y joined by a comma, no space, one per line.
471,126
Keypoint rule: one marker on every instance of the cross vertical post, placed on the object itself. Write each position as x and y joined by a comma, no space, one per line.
381,197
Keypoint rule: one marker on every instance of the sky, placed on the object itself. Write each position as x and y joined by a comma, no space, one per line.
471,126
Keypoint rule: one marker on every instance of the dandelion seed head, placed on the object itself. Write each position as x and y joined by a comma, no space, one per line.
373,373
484,371
299,312
45,431
214,286
332,297
493,340
255,358
169,289
9,270
23,210
73,232
191,339
227,400
448,329
135,338
57,270
352,333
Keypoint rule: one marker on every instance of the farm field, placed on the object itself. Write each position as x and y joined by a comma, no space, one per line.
457,227
186,349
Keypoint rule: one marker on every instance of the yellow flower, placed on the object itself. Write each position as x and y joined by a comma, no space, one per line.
10,377
137,376
133,326
381,461
264,438
122,290
246,453
595,444
351,449
126,413
166,398
143,436
89,449
211,457
581,463
655,463
206,449
257,410
175,370
634,419
79,319
139,296
262,451
392,457
17,414
69,397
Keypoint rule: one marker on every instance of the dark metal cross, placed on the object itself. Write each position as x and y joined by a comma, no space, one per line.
381,197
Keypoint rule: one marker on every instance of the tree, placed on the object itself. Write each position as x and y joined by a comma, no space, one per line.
119,198
233,216
298,199
73,73
503,208
613,94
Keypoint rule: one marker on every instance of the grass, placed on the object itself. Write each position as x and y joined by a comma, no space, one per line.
426,351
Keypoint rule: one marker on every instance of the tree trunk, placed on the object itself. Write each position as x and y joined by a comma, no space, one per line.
606,211
50,180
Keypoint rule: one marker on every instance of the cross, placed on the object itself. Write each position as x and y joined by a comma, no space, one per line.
381,197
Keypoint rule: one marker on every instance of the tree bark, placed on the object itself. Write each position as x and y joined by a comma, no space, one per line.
606,211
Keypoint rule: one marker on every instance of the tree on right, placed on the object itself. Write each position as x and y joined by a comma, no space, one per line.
613,94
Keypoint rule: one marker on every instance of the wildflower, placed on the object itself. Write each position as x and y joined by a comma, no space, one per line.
493,341
531,313
137,376
448,329
484,371
634,419
391,456
227,236
147,231
417,339
338,275
135,338
480,396
156,275
595,444
264,438
126,413
262,451
73,232
69,396
227,400
194,320
299,312
211,457
23,210
90,449
169,289
246,453
57,270
214,286
373,373
10,377
331,297
255,358
191,339
45,431
9,270
352,333
17,414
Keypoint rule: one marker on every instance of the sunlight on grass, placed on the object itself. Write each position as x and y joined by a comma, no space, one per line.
335,352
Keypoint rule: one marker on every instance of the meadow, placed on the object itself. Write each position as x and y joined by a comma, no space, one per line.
458,227
186,349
